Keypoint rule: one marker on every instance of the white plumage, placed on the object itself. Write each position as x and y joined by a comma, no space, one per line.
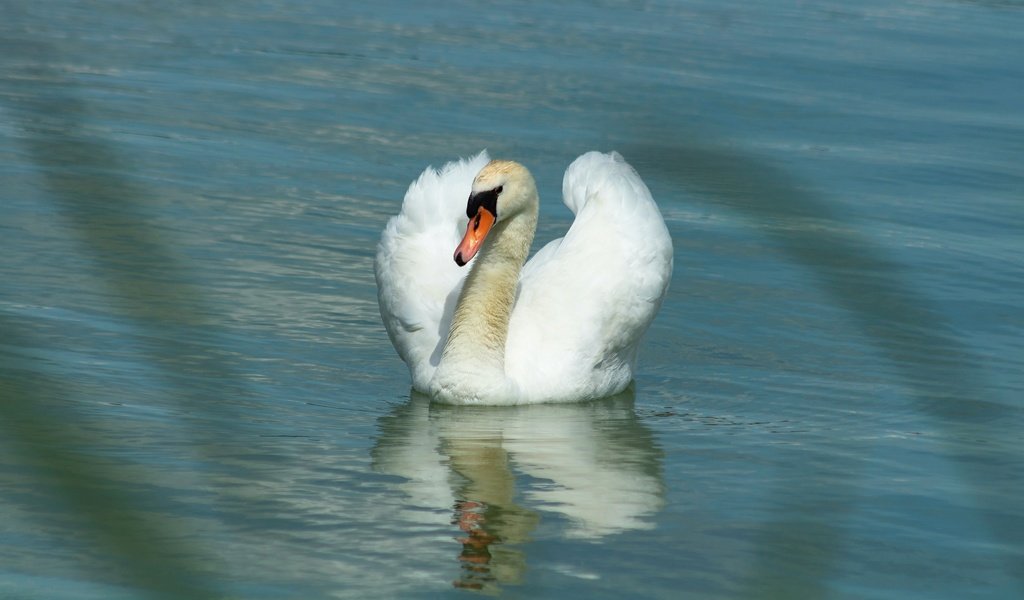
580,305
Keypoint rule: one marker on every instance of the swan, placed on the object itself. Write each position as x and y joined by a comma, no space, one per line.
563,327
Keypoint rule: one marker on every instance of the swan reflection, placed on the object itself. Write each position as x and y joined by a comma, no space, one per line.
495,472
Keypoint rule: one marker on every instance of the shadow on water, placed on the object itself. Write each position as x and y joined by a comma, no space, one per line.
150,287
62,462
495,469
940,374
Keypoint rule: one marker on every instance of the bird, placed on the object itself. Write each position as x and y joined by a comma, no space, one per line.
477,324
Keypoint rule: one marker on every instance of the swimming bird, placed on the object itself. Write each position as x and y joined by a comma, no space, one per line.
477,324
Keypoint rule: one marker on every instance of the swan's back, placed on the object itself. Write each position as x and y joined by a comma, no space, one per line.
418,283
584,301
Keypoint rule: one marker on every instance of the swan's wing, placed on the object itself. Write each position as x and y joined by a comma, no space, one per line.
585,300
418,282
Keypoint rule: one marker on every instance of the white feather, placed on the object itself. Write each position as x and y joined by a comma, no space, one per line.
418,282
583,301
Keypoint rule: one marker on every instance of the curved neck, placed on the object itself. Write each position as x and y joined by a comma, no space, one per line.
479,330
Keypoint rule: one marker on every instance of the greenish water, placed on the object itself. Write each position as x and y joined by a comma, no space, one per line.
197,398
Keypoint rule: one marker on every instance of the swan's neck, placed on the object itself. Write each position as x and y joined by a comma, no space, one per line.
473,363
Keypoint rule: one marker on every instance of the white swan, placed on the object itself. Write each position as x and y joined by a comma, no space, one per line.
565,327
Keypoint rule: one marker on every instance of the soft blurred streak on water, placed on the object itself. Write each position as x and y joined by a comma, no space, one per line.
941,374
150,287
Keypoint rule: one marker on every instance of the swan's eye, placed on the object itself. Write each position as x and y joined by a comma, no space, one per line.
498,189
487,200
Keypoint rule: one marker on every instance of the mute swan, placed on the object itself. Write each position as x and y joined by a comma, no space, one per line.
564,327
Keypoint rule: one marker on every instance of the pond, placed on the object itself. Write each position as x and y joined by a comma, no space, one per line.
199,399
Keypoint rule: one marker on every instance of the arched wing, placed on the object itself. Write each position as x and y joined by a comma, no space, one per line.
584,301
418,282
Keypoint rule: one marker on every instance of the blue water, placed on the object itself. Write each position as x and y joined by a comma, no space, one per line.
199,400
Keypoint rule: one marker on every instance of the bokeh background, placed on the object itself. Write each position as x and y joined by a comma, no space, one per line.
198,400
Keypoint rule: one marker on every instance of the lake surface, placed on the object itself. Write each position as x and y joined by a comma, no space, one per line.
199,400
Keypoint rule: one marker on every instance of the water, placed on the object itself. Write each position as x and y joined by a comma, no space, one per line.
199,399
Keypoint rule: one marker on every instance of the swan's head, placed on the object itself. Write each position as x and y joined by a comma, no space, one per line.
501,190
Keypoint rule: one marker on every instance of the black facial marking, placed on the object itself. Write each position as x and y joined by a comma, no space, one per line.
488,200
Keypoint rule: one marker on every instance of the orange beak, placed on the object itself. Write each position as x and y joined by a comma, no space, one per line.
478,228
